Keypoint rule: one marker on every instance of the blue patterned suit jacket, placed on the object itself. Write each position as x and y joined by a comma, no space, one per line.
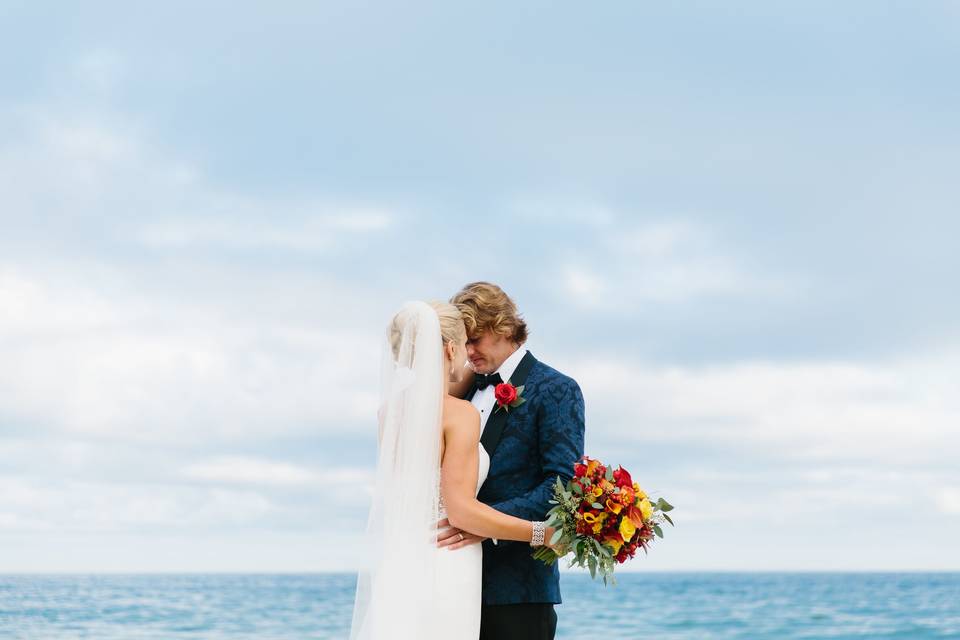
540,440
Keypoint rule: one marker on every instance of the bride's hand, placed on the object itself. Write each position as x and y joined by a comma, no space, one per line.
548,536
452,538
559,547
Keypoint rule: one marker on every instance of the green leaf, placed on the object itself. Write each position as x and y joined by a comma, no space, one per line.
577,489
520,389
664,505
609,474
593,567
555,538
597,505
657,530
669,519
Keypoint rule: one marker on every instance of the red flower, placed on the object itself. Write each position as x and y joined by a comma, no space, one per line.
505,393
579,470
622,478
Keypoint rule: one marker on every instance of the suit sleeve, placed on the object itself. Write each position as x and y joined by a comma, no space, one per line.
560,429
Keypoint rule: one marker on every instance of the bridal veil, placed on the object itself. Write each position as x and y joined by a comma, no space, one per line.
396,588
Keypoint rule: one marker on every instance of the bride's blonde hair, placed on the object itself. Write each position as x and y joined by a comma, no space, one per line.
452,328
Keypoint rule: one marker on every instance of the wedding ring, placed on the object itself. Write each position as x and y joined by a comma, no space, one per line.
461,536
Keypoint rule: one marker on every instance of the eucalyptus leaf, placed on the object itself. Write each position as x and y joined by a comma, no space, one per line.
657,530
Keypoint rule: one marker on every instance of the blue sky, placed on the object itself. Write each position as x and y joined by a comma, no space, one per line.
733,223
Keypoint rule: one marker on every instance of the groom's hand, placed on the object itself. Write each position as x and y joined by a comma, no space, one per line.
453,538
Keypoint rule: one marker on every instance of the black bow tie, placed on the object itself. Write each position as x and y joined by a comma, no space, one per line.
482,381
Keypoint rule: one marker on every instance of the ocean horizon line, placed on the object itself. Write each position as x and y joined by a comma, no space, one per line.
566,572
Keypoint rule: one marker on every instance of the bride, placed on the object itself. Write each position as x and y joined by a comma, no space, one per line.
430,466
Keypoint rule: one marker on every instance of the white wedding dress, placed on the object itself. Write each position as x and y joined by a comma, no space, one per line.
459,581
408,588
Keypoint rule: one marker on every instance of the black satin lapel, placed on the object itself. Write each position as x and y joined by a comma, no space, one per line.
493,431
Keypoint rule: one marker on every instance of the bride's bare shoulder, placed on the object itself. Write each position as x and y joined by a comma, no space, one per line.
459,411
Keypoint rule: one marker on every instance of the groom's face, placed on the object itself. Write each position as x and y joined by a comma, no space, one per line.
488,350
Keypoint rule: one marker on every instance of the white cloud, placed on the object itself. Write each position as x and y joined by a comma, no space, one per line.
305,227
553,211
900,411
661,239
137,369
586,287
661,261
246,470
91,347
948,500
101,166
100,69
110,507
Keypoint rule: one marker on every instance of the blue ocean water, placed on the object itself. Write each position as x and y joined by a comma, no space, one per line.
754,606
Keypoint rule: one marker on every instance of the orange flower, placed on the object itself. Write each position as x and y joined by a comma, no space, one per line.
615,507
635,516
592,466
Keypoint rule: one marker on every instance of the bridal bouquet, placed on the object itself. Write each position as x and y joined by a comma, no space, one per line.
601,516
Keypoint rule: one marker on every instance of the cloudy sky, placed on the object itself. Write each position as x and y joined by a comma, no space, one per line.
735,224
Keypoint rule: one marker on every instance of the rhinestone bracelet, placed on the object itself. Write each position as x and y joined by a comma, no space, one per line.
539,530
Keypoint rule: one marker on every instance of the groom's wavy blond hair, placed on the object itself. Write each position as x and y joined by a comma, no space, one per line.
485,306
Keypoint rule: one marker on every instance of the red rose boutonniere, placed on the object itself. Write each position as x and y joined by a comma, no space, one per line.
508,396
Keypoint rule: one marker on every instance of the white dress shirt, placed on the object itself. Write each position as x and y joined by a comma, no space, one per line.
484,399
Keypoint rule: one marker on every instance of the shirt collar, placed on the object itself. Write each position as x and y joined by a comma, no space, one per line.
510,364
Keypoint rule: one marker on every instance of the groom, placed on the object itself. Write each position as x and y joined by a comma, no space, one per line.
529,446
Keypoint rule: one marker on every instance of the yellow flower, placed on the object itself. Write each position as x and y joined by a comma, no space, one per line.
589,517
615,544
597,492
592,466
627,529
598,526
615,507
606,484
640,492
646,509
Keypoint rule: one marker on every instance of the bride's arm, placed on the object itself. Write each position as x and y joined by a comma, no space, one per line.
460,389
459,484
